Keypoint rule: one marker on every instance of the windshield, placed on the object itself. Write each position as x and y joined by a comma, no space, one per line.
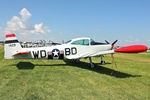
92,42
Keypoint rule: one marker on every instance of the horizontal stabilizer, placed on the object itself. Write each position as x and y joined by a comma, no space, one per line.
21,53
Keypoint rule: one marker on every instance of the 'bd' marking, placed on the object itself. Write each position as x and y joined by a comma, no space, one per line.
71,51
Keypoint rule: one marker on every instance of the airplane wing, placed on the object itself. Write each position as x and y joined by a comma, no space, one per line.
85,55
103,53
126,49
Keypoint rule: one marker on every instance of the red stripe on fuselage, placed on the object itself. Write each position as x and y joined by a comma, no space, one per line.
10,35
21,53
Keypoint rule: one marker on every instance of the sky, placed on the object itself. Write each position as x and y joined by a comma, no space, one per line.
125,20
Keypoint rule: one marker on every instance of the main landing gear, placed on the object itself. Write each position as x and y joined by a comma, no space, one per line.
102,60
92,65
75,60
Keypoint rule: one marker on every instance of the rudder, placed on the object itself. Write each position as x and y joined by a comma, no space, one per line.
12,46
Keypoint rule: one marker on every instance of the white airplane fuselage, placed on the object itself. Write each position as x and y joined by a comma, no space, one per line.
69,51
73,49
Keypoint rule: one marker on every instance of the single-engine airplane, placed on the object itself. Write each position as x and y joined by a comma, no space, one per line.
73,49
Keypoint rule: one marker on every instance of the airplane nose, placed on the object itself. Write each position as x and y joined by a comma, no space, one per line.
132,49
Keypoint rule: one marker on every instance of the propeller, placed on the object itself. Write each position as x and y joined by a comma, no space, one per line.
112,55
112,45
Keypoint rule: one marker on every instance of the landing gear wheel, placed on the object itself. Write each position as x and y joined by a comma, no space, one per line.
92,65
103,62
75,60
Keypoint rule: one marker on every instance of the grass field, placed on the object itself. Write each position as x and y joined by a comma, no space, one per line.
58,79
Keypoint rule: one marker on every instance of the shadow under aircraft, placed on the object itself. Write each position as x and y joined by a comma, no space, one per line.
83,65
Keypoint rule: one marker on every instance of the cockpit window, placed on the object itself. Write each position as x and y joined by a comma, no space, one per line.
81,42
78,42
86,42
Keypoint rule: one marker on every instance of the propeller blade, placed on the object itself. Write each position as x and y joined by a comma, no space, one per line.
114,42
107,42
112,45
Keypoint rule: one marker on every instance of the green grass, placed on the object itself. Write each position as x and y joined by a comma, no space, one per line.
58,79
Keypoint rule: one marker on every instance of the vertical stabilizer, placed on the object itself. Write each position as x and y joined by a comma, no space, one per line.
12,46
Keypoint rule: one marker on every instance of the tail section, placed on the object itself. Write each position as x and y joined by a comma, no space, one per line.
12,46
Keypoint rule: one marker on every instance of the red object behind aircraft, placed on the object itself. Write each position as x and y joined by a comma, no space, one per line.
132,49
